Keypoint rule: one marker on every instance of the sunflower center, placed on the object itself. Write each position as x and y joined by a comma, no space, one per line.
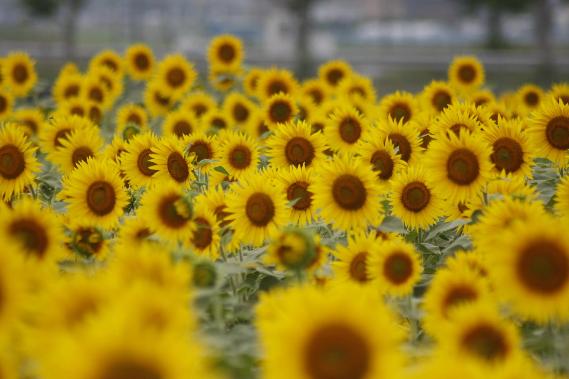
95,114
178,167
299,190
240,157
71,91
334,76
126,369
350,130
96,94
400,112
402,144
240,112
133,118
467,73
101,198
415,196
221,215
176,77
143,233
441,99
277,86
110,64
89,240
162,100
349,192
458,128
81,154
30,124
316,95
398,268
564,99
31,235
260,209
202,150
3,104
543,267
458,295
169,213
280,111
358,267
382,164
77,110
507,155
182,128
143,163
226,53
12,162
531,99
141,61
20,73
199,109
219,122
486,342
61,135
299,150
336,351
463,167
557,132
203,235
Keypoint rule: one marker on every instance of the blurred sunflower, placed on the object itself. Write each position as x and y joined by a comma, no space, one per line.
466,73
18,73
6,104
32,119
316,90
548,131
454,121
399,106
560,92
225,51
205,239
130,119
199,103
382,156
180,123
353,264
274,81
297,183
239,154
67,87
139,61
176,74
332,73
170,161
405,138
346,127
279,109
108,58
157,100
294,144
530,97
437,96
251,80
77,147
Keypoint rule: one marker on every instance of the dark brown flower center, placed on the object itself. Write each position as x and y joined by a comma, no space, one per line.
299,190
31,235
543,267
299,151
467,73
260,209
12,162
219,122
61,135
486,342
349,192
441,99
127,369
402,144
169,214
415,196
240,112
30,124
382,163
182,128
20,73
143,233
336,351
176,77
280,111
277,86
459,128
202,150
96,94
221,215
144,163
77,110
101,198
350,130
89,240
358,267
400,112
531,99
507,155
463,167
110,64
226,53
199,109
203,235
316,95
141,61
178,167
458,295
134,118
72,90
334,76
163,101
240,157
3,104
426,138
81,154
557,132
398,268
95,114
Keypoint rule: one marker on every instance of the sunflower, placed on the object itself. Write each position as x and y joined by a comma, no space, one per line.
33,230
180,123
134,233
135,161
466,73
316,90
548,131
481,113
31,118
157,99
346,127
112,83
176,74
18,73
423,125
382,156
294,144
238,109
205,239
333,72
110,59
458,166
77,147
18,164
215,121
357,87
469,260
399,106
482,97
511,153
257,212
6,103
66,87
13,292
139,61
405,138
530,97
239,154
450,289
58,129
115,150
94,193
199,103
129,116
223,80
454,121
251,80
274,81
279,109
333,343
257,127
170,161
413,199
93,90
353,259
347,193
533,258
292,250
562,197
225,51
395,268
204,149
74,107
297,182
437,96
560,92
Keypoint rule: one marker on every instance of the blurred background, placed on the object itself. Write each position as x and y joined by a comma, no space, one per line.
401,44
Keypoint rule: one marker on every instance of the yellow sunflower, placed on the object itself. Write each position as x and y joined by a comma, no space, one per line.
294,144
176,74
87,241
548,131
413,199
454,121
225,51
18,163
279,109
18,73
333,72
13,296
214,121
204,149
405,138
297,184
239,154
560,92
251,80
238,109
458,166
530,97
274,81
129,116
58,128
257,212
32,119
180,123
437,96
347,193
134,233
95,193
94,90
399,106
292,250
381,154
357,87
316,90
77,147
6,103
109,80
199,103
108,58
139,61
135,161
466,73
346,127
205,239
66,87
353,261
224,80
157,99
170,161
482,97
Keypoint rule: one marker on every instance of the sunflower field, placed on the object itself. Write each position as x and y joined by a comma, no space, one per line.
159,224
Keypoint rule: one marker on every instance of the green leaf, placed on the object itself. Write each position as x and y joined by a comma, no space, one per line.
221,169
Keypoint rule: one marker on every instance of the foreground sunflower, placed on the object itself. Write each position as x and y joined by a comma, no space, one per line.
404,137
294,144
548,131
347,193
135,161
205,239
94,192
239,154
79,145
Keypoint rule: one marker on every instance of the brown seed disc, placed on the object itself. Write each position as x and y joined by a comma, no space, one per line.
240,157
101,198
507,155
358,267
299,190
221,216
402,143
71,91
441,99
383,165
96,94
298,151
12,162
543,267
61,135
168,213
458,295
557,132
277,86
31,235
3,104
161,100
203,235
415,196
316,95
260,209
178,167
182,128
400,111
202,150
134,118
398,268
176,77
142,62
334,76
226,53
350,130
349,192
95,114
20,74
467,73
81,154
486,342
240,113
110,64
531,99
127,369
144,163
463,167
280,111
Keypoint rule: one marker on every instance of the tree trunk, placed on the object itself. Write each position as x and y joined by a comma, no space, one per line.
543,29
495,39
